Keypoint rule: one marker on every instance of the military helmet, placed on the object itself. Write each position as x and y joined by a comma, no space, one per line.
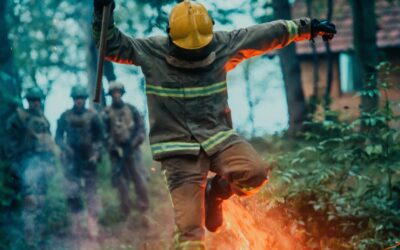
33,93
79,91
190,25
116,86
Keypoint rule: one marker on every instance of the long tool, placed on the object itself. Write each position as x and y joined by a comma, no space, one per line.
102,51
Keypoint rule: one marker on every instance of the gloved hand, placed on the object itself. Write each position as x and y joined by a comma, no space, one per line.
99,4
323,28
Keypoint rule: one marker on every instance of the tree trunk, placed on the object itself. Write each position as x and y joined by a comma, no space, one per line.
249,97
314,99
7,67
366,52
329,68
10,90
291,75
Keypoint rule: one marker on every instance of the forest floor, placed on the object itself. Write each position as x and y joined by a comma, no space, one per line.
263,221
250,223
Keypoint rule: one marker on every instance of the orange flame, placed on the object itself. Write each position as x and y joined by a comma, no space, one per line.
249,229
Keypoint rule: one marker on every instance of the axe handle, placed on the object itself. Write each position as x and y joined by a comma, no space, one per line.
102,51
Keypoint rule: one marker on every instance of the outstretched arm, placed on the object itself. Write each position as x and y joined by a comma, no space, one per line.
120,47
259,39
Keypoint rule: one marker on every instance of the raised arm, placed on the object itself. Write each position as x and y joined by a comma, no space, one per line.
120,47
262,38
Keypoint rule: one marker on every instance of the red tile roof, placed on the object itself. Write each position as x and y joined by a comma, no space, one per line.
388,15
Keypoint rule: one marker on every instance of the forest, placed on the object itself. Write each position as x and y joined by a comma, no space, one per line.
324,115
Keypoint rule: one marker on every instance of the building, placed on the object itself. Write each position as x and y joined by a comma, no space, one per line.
344,86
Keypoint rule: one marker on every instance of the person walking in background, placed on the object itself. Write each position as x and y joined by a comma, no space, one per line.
33,151
125,133
80,136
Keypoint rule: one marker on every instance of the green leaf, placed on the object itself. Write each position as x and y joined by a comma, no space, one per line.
374,149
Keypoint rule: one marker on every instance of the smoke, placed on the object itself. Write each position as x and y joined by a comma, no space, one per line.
36,213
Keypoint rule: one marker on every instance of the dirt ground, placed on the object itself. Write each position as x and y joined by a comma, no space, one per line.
250,225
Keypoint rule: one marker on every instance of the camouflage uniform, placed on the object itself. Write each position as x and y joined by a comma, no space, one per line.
125,130
80,135
32,151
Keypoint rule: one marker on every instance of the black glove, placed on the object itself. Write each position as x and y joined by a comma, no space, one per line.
99,4
323,28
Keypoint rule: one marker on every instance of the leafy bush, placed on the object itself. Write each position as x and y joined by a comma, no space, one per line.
343,183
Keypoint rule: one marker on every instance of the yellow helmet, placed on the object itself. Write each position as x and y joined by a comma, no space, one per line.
190,25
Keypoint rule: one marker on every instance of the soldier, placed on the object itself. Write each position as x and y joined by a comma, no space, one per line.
79,134
186,87
125,129
32,150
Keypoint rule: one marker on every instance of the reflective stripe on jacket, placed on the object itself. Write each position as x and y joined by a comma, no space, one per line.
188,108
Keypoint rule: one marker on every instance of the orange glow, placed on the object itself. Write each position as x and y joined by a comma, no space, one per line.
249,229
119,60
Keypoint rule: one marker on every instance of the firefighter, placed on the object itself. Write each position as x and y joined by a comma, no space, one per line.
125,133
32,150
80,136
190,125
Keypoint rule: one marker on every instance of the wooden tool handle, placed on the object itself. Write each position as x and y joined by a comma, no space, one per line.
102,52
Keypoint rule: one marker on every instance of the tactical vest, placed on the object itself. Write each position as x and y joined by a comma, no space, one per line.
38,138
121,123
79,128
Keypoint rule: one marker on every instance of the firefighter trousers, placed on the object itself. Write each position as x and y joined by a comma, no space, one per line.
186,178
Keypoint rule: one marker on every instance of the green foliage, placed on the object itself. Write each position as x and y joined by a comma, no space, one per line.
8,189
9,200
343,181
38,34
154,14
53,216
110,213
55,212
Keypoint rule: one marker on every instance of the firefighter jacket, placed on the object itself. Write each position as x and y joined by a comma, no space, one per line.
80,131
188,101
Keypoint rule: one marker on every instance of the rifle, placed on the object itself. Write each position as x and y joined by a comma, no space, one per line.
127,150
102,52
117,170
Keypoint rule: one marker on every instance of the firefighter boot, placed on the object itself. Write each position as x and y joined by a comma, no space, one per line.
217,191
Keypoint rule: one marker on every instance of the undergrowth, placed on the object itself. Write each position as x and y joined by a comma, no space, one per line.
341,182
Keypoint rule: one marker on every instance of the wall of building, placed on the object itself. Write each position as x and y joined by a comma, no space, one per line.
348,103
